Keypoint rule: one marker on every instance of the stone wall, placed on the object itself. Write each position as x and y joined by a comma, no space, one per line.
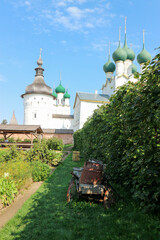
66,137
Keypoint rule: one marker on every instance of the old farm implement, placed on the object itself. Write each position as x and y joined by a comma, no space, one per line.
90,182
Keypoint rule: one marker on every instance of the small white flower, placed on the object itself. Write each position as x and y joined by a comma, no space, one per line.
6,174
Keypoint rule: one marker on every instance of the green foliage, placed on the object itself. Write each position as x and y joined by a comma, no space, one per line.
12,154
55,144
4,121
18,140
125,134
40,152
40,172
11,140
46,215
19,171
27,140
8,190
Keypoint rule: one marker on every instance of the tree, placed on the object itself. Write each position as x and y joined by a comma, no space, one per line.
4,121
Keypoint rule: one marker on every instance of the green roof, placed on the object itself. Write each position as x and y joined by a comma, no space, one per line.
143,56
60,89
120,54
134,68
54,94
109,66
130,53
66,95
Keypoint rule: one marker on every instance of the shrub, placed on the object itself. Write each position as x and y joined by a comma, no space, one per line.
40,152
57,158
27,140
125,134
11,140
18,140
55,144
8,190
12,154
40,172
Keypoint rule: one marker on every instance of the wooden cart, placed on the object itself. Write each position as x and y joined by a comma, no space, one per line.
90,182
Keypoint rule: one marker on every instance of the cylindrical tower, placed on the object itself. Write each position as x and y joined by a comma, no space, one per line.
38,99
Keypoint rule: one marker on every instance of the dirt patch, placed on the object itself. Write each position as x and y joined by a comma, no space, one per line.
7,213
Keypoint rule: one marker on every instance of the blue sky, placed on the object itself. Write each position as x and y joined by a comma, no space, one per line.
74,36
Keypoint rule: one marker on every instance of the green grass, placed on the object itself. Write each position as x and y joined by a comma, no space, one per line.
46,215
66,146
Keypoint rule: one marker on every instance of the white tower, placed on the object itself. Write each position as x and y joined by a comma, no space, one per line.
38,99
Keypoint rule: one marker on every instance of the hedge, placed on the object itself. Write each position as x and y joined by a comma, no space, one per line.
125,134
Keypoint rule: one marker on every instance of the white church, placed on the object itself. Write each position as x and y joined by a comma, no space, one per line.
51,108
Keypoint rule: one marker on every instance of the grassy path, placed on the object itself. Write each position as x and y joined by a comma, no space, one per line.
46,215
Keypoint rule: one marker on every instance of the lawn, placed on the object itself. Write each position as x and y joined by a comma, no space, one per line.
46,215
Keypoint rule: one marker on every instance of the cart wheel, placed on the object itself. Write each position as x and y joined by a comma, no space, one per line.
72,191
108,198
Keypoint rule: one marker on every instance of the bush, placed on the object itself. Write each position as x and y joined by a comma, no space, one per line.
40,152
8,190
12,154
40,172
57,158
55,144
11,140
27,140
18,140
125,134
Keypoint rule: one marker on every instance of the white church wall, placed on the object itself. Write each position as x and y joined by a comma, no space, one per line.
34,106
61,123
87,109
128,67
119,68
77,109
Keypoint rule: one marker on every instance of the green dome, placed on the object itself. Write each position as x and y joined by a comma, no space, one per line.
60,89
134,68
66,95
130,53
54,94
109,66
120,54
143,56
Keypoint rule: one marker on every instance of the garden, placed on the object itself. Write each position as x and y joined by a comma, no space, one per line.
125,135
47,215
18,169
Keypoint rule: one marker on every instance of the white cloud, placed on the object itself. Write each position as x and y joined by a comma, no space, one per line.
89,25
63,41
69,14
27,3
75,12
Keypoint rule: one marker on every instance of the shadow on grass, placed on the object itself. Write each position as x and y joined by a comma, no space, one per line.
46,215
